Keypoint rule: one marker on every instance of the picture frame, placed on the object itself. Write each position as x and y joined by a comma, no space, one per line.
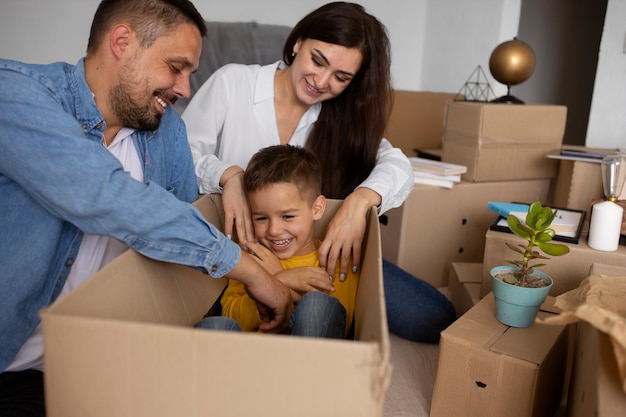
568,217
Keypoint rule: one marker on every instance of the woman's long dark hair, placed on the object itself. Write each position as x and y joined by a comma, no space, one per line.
349,129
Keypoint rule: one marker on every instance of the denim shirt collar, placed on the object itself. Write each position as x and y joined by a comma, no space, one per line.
85,109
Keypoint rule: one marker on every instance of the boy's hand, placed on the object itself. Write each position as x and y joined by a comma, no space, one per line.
305,279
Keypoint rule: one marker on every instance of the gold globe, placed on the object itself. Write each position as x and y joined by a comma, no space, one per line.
512,62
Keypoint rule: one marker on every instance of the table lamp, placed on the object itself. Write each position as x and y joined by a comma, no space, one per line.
613,175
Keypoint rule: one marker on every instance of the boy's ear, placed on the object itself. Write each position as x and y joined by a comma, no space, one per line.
319,206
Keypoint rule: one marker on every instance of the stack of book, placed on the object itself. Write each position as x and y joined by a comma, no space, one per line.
432,172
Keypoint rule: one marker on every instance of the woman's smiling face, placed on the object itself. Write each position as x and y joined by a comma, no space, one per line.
321,71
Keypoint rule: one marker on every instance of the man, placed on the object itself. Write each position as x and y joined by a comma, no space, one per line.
93,159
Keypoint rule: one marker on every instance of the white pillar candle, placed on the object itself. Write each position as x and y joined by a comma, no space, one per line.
605,226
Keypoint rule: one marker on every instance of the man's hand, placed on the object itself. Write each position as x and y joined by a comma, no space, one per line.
265,258
273,298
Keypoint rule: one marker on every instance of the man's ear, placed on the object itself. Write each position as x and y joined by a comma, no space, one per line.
319,206
119,39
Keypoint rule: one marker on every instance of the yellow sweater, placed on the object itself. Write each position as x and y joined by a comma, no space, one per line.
237,304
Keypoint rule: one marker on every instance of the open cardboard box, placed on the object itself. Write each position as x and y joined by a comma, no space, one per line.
122,344
598,386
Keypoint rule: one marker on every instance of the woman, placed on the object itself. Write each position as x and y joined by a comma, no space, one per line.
332,95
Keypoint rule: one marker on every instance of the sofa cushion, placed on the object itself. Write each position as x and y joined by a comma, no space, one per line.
236,42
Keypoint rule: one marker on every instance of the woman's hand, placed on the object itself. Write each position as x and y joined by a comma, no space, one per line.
236,209
346,230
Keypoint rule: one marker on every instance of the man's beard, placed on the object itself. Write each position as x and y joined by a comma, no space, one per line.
131,113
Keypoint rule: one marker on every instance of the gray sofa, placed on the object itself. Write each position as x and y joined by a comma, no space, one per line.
236,42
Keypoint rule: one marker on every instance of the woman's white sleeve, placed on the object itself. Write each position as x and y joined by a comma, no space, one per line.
392,177
204,118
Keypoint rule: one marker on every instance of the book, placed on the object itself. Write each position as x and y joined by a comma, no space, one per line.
426,174
503,209
434,181
437,167
581,153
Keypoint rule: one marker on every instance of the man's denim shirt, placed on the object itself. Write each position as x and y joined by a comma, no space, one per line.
57,182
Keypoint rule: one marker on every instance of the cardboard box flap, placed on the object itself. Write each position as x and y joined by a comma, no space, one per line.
370,301
163,282
468,272
515,342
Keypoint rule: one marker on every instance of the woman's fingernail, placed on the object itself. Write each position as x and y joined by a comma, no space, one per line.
354,268
342,277
245,247
229,236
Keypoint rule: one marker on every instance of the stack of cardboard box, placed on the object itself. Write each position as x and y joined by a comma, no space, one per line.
504,148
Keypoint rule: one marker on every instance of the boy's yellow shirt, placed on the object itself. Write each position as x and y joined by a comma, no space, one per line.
237,304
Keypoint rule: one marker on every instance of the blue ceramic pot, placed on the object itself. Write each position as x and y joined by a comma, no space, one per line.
517,306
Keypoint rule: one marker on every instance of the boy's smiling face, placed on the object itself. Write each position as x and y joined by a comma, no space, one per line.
284,220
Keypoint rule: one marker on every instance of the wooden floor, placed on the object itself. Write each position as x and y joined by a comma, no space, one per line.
412,378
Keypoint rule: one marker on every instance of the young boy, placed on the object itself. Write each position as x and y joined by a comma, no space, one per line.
283,187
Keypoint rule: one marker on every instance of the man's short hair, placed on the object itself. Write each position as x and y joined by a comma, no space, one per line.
150,19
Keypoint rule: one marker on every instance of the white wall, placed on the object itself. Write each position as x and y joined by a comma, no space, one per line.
607,118
436,44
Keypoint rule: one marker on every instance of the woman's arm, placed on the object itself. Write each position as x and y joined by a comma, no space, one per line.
388,185
204,118
392,177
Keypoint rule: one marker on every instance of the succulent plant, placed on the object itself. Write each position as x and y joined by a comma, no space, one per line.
537,232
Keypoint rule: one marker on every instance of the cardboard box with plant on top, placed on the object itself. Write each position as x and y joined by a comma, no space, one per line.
488,369
123,344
